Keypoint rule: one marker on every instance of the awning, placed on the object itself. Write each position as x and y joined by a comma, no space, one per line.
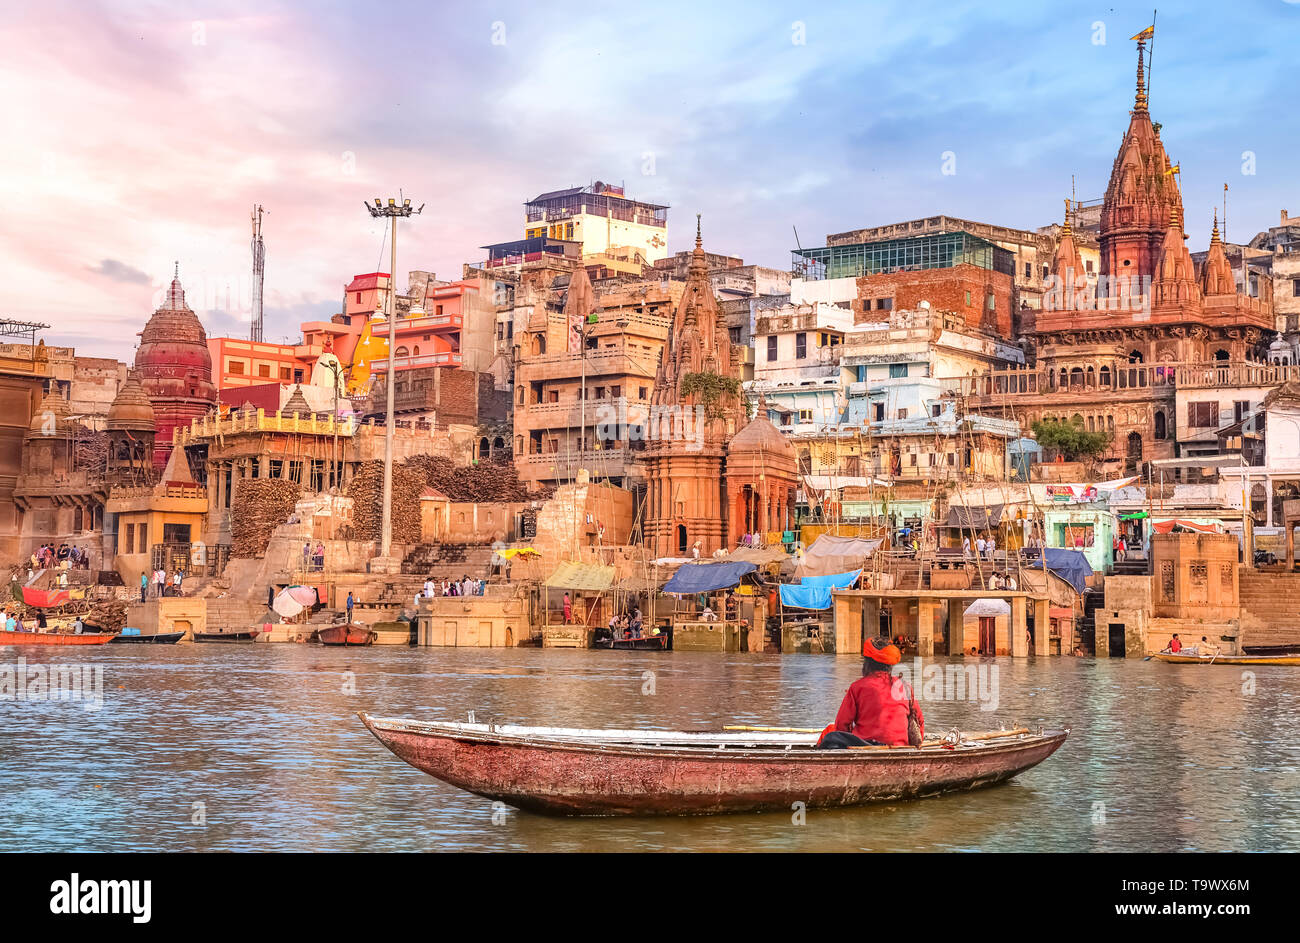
759,556
829,555
294,599
706,577
974,518
1180,524
988,608
1070,565
588,577
814,592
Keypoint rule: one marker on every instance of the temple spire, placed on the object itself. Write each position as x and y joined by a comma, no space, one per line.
1066,231
699,241
1214,236
1140,99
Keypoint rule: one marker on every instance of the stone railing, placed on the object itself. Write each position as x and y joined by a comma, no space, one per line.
242,421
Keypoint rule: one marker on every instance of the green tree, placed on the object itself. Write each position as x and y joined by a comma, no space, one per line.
1070,439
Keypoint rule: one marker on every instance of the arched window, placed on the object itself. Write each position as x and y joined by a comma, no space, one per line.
1091,426
1104,376
519,396
416,352
1135,356
1160,424
401,352
1092,377
484,449
1076,378
539,343
1221,354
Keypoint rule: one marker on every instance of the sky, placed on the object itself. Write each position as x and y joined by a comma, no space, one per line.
140,135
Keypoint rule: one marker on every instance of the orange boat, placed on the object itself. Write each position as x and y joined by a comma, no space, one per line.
347,634
55,638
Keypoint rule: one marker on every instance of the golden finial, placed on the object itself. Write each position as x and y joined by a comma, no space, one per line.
1140,99
1066,230
699,243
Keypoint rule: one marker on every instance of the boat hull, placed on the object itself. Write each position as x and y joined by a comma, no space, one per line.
351,635
1181,659
572,777
160,638
53,638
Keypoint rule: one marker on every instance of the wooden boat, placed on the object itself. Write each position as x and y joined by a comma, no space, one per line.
1179,658
648,643
228,635
565,771
347,633
157,638
55,638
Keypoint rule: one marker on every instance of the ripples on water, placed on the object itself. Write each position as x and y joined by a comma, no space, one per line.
1161,758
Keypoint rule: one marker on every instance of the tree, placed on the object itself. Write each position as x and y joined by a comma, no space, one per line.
1070,439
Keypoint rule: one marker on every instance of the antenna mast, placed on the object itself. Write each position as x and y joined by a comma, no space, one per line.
259,271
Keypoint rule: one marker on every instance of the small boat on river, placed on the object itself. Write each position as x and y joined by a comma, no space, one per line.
347,633
55,638
1182,658
228,635
568,771
136,637
646,643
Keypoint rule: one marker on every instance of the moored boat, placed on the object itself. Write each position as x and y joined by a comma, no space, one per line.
156,638
647,643
346,633
55,638
1180,658
228,635
567,771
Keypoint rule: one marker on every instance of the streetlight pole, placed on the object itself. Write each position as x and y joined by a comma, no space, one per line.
393,211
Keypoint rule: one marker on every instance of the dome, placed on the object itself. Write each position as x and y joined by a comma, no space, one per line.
759,435
131,410
297,404
1278,344
49,418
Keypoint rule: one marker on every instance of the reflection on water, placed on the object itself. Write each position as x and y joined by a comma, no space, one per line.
1161,758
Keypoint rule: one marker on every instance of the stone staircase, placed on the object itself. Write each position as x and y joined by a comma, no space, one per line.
448,561
1270,608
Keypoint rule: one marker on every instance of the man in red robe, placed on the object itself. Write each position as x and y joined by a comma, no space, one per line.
876,706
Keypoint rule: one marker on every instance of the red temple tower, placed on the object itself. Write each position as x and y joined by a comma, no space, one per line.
175,369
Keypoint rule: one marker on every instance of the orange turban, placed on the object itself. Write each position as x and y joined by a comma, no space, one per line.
888,655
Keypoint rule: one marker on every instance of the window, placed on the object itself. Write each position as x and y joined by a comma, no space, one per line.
897,370
401,352
142,534
236,367
285,373
297,376
615,392
641,391
358,297
129,538
1088,266
885,304
771,348
1028,269
1240,410
935,410
902,414
800,346
968,299
264,370
439,310
991,301
805,415
1295,287
1203,415
733,334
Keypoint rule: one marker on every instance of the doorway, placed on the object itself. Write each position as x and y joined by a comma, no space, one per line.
1115,637
988,635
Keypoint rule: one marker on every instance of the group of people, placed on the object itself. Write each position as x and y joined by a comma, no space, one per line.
1203,647
47,556
1120,547
983,549
162,584
627,625
461,587
1002,580
313,558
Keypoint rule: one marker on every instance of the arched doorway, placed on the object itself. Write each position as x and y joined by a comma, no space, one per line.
1133,453
681,539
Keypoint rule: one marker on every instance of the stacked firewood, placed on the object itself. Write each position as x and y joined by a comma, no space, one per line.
366,489
484,482
260,505
108,615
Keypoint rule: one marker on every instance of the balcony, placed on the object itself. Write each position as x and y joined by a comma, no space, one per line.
614,361
564,465
569,414
445,359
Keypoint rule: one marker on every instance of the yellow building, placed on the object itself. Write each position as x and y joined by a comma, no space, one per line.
158,526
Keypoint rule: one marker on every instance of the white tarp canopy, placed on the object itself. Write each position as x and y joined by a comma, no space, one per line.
829,555
988,608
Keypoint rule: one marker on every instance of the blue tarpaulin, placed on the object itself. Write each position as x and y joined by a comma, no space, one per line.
706,577
814,592
1070,565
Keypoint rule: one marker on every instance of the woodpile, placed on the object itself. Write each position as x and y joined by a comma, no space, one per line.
108,615
366,489
484,482
260,505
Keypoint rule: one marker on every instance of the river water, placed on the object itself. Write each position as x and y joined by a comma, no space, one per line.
258,748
